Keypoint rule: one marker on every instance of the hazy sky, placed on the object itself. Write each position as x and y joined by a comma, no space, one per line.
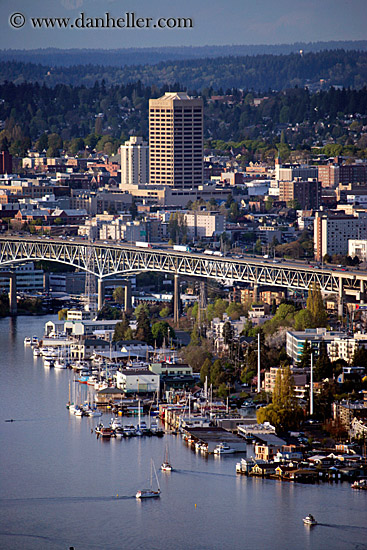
215,22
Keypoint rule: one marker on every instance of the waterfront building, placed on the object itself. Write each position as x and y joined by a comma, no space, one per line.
28,279
137,381
176,141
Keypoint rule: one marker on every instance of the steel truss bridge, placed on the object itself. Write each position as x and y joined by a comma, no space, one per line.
109,260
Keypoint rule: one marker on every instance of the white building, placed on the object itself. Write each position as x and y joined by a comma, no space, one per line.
338,344
358,247
121,230
333,230
134,161
204,224
137,381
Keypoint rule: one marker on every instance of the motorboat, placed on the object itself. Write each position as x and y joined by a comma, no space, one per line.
223,449
129,430
151,492
309,520
115,423
48,361
27,341
104,431
36,352
360,484
60,364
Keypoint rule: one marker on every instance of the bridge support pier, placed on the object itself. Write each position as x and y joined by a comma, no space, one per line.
255,293
128,303
363,292
13,293
100,294
340,298
176,300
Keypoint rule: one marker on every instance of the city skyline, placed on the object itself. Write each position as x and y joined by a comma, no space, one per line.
214,23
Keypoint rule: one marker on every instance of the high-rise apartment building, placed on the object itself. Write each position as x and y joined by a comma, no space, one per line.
176,141
332,230
306,193
134,162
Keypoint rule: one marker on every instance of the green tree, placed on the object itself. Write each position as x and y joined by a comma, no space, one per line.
315,306
284,413
162,331
227,334
305,359
360,357
323,366
119,295
205,370
143,331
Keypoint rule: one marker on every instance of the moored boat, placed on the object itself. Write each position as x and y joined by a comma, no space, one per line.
223,449
360,484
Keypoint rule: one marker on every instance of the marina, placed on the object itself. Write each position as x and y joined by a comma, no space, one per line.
61,485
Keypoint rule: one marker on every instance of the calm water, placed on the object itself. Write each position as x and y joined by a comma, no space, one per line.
59,484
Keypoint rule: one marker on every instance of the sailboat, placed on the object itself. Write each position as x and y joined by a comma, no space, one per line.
166,465
150,493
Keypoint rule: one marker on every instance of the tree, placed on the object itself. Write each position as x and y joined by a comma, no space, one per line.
303,319
305,360
284,413
323,366
360,357
119,295
62,314
121,330
315,306
143,331
205,370
162,331
227,333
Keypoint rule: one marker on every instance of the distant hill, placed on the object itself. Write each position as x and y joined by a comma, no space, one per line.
341,68
151,56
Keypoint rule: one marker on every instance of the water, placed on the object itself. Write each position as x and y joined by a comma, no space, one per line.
59,484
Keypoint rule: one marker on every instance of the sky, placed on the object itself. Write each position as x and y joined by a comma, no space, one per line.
215,22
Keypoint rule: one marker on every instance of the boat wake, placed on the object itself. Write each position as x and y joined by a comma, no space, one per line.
201,473
7,501
342,527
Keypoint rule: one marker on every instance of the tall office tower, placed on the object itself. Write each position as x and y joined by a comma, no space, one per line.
176,141
134,161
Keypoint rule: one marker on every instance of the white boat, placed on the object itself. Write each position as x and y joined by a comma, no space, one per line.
166,464
36,352
115,423
223,449
150,493
48,361
27,341
309,520
360,484
60,364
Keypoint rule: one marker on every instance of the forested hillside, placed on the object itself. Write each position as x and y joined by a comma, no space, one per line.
144,56
259,73
102,116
